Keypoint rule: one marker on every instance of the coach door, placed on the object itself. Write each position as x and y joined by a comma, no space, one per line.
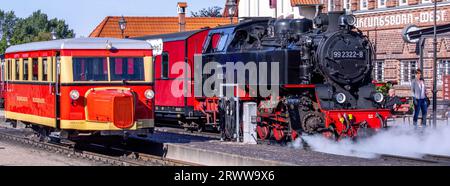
57,94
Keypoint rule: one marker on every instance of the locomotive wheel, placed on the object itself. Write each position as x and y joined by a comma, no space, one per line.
331,133
294,135
278,134
311,122
263,132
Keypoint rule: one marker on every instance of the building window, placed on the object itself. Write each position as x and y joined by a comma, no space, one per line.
331,5
165,65
364,4
378,71
426,1
347,5
402,2
381,3
407,69
443,70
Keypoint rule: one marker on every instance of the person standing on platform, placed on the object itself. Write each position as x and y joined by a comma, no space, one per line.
419,94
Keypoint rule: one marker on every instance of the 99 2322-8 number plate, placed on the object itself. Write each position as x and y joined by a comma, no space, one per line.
348,54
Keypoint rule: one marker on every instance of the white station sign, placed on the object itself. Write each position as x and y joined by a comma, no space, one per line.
157,46
400,19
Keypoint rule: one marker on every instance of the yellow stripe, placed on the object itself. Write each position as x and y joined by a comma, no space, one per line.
76,124
31,118
94,126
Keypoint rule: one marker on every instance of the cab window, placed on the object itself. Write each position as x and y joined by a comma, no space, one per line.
90,69
165,65
130,69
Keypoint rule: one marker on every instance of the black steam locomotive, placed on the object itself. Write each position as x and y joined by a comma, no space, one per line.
324,71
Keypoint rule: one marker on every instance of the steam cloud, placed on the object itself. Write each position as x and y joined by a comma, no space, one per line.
402,140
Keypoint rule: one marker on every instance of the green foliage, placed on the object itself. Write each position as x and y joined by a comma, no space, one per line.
384,89
36,27
208,12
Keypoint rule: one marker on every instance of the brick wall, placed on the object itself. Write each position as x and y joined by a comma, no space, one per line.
391,48
413,2
372,4
391,3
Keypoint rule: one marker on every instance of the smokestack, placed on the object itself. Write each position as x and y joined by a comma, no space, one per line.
182,16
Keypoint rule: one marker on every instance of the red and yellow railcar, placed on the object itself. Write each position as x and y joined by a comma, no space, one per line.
84,85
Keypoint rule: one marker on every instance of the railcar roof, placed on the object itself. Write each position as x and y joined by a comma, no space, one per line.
80,43
170,37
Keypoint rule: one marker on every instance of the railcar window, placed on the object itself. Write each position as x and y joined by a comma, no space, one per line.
165,65
90,69
44,69
17,66
9,69
25,69
130,69
34,69
3,76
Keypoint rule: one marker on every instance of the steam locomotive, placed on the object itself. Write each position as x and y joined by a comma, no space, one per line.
325,84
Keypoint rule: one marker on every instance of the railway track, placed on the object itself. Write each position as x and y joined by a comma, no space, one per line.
127,158
429,159
191,133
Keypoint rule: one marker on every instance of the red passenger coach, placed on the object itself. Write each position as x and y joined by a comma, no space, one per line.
84,85
173,53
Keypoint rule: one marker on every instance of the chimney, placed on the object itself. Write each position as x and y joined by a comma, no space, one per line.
182,15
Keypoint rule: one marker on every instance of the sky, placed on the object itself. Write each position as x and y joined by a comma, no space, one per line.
84,15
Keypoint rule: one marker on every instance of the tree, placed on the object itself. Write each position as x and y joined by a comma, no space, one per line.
36,27
7,22
208,12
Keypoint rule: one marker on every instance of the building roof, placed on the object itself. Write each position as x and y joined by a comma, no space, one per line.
306,2
170,37
80,43
142,26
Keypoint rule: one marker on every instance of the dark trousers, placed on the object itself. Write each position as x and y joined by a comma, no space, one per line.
420,106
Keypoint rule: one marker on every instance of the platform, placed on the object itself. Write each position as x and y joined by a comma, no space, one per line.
212,152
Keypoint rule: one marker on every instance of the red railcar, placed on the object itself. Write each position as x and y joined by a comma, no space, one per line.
174,53
83,85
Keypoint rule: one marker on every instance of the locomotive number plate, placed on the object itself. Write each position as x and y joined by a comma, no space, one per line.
348,54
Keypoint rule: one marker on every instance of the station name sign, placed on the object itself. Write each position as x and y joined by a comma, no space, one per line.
400,19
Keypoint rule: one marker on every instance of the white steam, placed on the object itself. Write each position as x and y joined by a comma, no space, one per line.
398,140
